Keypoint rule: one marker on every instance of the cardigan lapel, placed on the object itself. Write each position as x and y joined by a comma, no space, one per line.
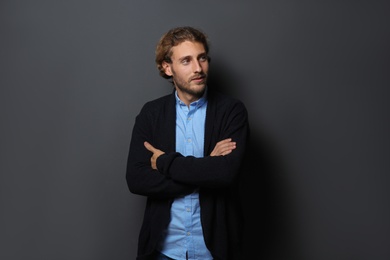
169,129
210,120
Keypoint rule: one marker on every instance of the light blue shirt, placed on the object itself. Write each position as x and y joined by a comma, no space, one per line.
184,234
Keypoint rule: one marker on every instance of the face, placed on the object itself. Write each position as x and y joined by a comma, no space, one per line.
189,69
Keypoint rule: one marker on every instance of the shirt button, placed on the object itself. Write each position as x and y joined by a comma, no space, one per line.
188,233
189,140
188,209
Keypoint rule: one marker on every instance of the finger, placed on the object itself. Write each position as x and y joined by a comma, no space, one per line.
149,147
228,148
230,145
227,140
224,144
226,152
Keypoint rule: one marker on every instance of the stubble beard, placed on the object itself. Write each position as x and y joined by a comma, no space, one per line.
186,87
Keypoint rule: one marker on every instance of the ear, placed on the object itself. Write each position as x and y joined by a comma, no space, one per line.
167,68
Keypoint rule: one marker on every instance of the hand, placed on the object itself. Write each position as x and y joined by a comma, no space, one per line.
156,153
223,147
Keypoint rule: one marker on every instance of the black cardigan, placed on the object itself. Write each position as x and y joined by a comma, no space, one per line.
215,176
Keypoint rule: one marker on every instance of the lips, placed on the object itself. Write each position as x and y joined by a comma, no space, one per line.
198,79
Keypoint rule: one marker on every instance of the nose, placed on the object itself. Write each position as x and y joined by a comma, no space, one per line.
197,66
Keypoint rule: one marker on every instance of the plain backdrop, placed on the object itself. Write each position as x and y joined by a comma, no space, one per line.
314,76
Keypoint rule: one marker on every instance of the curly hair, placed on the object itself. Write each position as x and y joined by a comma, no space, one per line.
173,38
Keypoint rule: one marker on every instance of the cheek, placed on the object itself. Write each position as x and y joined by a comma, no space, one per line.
205,68
183,72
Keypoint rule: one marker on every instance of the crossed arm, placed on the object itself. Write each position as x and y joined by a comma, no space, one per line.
222,148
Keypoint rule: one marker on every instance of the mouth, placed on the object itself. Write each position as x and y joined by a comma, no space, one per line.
199,79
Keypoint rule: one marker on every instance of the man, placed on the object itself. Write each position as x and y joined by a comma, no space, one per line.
185,156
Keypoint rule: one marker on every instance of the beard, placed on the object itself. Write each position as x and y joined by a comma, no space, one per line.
195,89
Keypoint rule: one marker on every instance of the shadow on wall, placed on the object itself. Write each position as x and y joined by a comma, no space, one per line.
264,191
264,196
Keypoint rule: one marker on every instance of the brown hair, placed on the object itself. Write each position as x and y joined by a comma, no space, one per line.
173,38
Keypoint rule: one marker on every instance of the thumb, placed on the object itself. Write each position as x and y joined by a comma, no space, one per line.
149,147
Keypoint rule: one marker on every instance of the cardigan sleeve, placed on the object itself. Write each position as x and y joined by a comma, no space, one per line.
212,171
141,178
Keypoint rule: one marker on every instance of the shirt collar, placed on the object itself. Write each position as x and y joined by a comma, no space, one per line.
198,103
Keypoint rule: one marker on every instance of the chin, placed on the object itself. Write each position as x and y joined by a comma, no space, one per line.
200,88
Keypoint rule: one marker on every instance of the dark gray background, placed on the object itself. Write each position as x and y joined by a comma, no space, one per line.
313,74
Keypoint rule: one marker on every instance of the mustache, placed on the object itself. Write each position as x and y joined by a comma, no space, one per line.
199,75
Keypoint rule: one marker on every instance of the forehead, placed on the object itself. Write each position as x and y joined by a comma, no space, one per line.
187,48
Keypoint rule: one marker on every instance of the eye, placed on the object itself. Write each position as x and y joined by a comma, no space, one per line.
185,61
203,58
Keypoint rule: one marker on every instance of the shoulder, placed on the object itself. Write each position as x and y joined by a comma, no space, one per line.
224,101
158,104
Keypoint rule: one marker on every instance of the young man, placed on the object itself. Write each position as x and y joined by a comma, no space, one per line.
185,156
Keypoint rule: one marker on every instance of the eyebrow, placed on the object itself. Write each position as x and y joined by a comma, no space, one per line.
190,57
